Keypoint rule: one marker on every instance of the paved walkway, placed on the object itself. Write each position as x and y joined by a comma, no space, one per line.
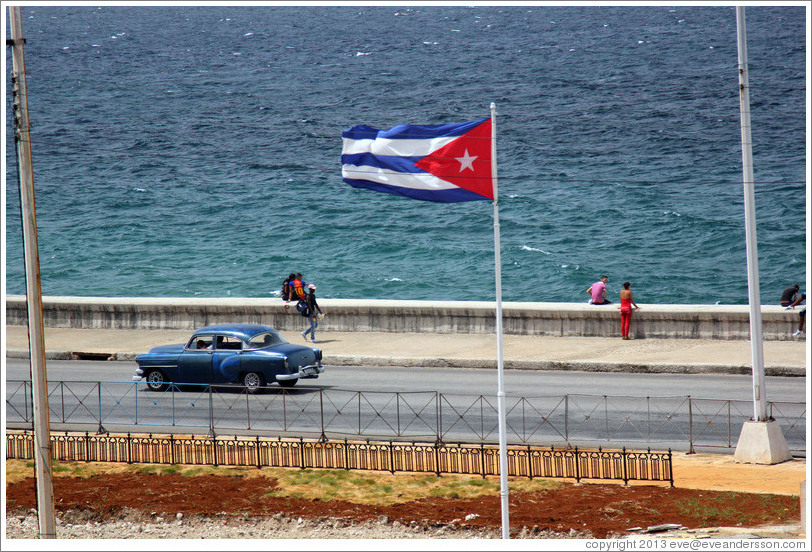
460,350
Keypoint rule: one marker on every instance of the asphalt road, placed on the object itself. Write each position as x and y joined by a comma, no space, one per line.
470,381
609,409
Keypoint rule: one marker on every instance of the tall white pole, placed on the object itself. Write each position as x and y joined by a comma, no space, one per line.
756,343
500,394
36,332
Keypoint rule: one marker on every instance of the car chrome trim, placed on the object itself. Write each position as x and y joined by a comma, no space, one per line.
310,371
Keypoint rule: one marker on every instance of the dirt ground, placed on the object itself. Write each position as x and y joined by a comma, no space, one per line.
596,510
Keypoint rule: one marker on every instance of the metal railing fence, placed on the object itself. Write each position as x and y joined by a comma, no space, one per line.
436,458
561,420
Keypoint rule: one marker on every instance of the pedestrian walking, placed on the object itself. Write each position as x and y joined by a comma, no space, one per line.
313,313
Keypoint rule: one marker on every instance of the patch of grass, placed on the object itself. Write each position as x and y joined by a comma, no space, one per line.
709,508
359,487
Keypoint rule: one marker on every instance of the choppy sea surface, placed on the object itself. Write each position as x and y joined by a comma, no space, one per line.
185,151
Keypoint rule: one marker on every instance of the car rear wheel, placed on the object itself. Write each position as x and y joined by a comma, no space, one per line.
156,380
253,382
288,383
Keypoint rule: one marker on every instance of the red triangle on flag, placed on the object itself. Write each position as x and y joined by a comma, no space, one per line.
465,162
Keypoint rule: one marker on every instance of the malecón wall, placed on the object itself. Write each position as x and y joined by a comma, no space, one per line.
549,319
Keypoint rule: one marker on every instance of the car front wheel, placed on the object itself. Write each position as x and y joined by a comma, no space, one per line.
288,383
253,382
156,380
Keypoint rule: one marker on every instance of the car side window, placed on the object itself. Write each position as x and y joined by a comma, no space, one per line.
228,342
265,340
199,342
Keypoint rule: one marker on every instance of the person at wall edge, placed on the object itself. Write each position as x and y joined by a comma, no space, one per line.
297,288
286,286
597,291
789,295
626,302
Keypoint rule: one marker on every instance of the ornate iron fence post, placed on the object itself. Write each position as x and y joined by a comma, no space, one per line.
670,469
625,467
259,462
482,458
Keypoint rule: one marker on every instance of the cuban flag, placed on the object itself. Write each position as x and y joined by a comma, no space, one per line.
444,163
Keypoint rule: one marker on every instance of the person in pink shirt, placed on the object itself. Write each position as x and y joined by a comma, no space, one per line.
598,292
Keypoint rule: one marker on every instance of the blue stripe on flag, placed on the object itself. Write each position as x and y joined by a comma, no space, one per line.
410,132
453,195
391,162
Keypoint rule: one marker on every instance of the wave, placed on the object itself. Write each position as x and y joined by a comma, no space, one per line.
528,248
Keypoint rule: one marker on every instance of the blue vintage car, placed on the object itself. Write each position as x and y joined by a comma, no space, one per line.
250,354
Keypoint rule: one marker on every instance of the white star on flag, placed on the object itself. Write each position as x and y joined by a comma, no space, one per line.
466,162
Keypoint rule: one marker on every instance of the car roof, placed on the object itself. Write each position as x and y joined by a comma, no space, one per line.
245,331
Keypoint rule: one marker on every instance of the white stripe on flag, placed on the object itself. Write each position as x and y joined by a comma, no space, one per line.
400,148
417,181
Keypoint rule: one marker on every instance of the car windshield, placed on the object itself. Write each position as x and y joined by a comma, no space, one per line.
265,339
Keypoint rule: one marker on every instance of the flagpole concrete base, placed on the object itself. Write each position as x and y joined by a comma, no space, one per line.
762,443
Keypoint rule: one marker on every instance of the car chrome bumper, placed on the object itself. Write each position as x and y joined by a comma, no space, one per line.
304,372
139,375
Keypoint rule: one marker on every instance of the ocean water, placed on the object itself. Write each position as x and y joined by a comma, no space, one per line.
187,151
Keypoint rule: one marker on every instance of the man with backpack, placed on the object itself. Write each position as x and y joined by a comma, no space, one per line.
312,312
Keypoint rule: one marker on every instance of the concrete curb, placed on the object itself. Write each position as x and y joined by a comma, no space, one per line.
433,362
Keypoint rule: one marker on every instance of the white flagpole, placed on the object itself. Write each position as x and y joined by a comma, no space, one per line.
500,394
756,344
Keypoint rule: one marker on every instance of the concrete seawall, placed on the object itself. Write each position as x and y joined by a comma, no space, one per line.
730,322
